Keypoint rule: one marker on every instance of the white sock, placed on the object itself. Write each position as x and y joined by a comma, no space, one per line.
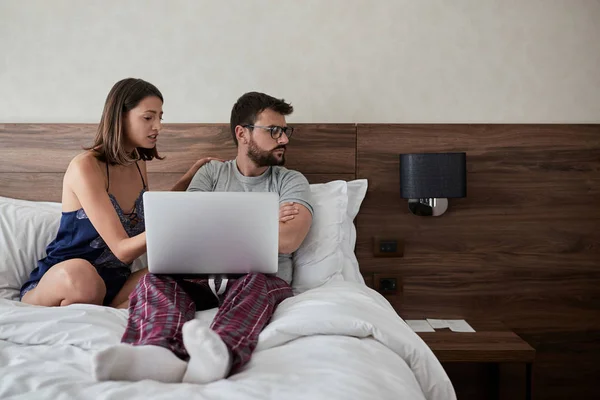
210,359
125,362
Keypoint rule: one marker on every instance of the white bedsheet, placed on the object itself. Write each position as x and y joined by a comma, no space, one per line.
339,341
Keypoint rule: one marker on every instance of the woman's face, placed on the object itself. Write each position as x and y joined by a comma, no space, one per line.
143,123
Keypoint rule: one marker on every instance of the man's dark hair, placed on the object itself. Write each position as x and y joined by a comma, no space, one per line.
249,105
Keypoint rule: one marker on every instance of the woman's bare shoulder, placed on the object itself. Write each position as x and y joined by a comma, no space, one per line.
84,165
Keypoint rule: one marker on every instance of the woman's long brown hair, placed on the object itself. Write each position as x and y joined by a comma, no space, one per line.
109,143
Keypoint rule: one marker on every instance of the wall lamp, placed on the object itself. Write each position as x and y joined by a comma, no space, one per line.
427,180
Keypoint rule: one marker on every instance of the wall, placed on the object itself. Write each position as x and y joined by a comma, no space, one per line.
336,60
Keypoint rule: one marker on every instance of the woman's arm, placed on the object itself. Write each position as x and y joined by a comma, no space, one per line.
85,180
183,183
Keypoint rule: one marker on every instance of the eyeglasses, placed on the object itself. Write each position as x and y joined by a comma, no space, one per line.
275,131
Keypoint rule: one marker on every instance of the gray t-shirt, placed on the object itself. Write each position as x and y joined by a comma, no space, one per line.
292,186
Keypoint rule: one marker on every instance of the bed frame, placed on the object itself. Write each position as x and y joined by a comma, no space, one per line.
523,247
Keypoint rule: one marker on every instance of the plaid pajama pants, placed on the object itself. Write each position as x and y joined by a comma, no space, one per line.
160,305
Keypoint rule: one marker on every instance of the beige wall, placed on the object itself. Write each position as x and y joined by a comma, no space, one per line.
336,60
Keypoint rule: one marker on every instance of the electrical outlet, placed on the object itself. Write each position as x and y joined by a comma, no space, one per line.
388,283
387,247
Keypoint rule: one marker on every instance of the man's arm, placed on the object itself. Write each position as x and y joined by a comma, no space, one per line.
293,232
294,189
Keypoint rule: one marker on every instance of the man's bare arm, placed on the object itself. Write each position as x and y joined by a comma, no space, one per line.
293,232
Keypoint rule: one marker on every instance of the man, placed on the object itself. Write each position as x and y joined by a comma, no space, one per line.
161,325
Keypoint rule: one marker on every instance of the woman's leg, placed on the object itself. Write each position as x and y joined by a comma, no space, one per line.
121,300
68,282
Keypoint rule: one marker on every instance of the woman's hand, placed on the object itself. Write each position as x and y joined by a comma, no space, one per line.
184,182
198,164
287,211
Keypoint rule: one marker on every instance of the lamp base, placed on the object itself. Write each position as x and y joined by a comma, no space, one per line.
428,207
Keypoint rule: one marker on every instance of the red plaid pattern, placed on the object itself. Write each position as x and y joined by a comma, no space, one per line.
160,305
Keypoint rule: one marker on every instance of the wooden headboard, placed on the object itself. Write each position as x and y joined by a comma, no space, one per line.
34,157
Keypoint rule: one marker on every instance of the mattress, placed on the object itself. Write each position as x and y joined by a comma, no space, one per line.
342,340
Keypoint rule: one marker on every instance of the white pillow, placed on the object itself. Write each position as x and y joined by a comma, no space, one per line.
26,228
320,258
327,253
357,189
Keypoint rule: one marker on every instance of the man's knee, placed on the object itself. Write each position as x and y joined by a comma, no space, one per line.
256,278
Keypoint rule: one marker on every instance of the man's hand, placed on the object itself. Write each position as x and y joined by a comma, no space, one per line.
287,211
294,229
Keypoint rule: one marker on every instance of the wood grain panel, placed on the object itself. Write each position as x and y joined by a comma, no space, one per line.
522,247
48,186
33,157
314,148
41,147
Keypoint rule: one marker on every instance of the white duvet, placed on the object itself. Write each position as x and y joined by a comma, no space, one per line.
340,341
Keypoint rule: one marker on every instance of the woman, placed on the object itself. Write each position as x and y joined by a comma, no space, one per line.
102,227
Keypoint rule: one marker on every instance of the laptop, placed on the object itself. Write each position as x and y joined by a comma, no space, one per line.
212,233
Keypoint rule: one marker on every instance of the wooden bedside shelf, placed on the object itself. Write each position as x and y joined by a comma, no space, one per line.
492,342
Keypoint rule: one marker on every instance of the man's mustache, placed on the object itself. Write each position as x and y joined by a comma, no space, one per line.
284,147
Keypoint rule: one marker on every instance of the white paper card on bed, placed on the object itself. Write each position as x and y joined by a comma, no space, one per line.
419,325
455,325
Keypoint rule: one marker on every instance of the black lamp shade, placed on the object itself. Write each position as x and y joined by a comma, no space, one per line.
433,175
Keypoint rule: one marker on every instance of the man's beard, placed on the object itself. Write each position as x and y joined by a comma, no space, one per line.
264,158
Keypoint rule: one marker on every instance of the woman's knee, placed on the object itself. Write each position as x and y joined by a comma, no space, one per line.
81,282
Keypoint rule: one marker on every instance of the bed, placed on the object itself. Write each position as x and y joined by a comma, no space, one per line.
335,339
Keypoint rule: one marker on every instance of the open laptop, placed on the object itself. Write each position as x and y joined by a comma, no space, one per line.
212,233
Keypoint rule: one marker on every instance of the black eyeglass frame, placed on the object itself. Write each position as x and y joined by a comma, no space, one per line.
275,131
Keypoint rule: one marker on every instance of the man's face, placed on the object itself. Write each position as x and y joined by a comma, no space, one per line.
263,149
